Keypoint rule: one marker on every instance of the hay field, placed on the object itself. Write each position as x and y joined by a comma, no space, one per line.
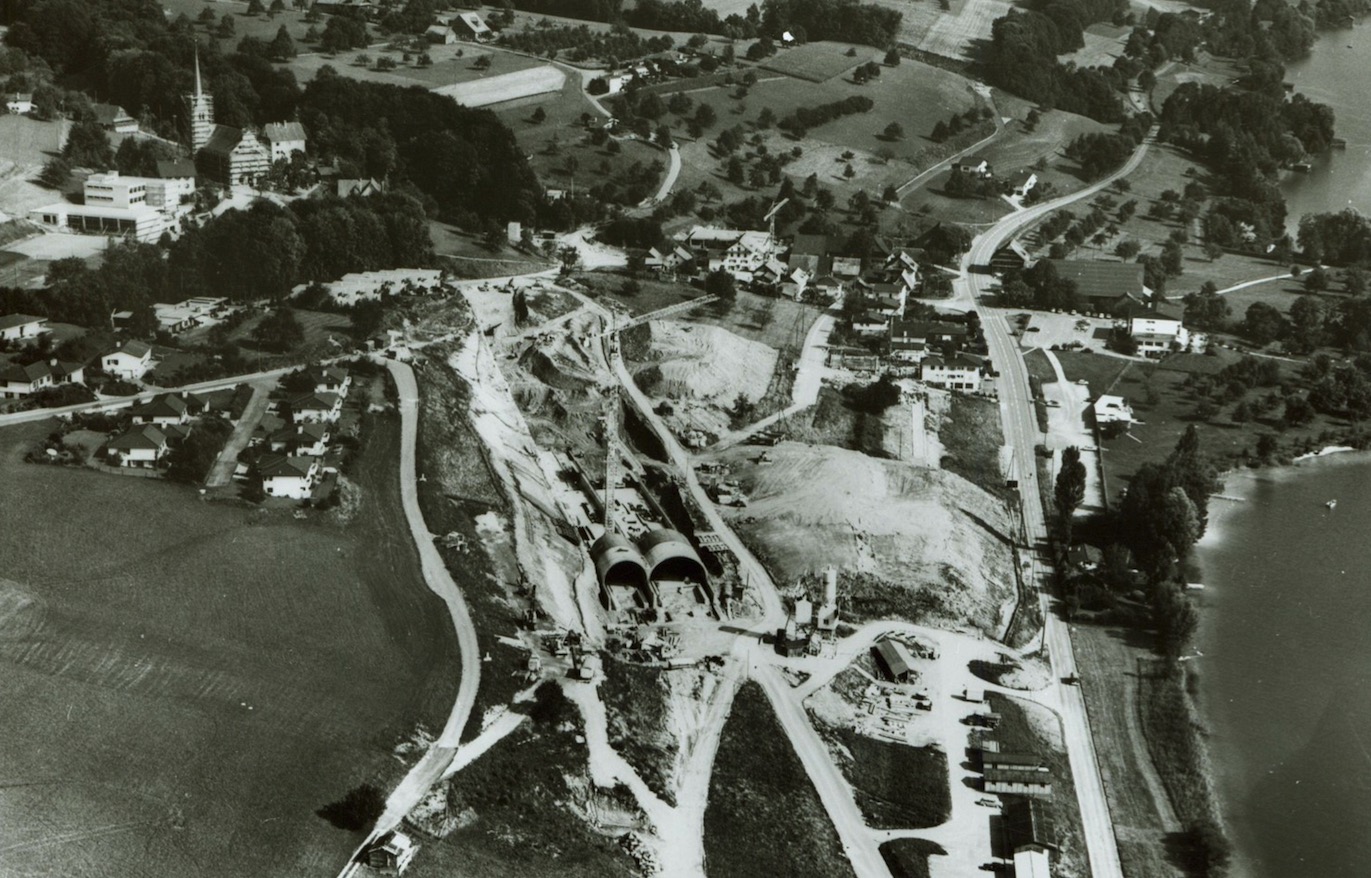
948,33
505,87
817,62
196,680
25,145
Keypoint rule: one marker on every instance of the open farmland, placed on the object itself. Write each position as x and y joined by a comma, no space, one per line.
950,33
263,27
506,87
199,678
25,144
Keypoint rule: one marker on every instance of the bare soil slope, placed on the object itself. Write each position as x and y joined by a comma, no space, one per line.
918,543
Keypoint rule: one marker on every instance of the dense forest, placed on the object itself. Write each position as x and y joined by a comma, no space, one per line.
244,255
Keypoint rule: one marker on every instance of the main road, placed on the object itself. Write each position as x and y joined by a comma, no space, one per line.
1021,433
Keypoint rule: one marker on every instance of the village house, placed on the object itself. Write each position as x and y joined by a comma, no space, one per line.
911,340
810,252
1022,183
740,253
870,323
292,477
1104,287
1158,337
22,327
19,381
313,408
330,379
284,139
847,266
827,286
888,298
141,446
959,372
973,164
668,257
130,362
440,34
301,440
1112,410
162,410
392,853
19,104
190,313
361,188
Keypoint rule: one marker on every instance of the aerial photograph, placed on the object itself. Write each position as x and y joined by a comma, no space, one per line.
685,439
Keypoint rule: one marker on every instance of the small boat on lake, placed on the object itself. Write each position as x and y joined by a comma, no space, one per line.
1332,504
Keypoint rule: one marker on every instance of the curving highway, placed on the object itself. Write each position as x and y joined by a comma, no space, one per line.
1021,432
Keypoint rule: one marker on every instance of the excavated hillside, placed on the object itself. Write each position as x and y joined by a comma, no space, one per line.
909,542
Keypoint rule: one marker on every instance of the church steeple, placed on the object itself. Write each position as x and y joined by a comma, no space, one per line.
201,111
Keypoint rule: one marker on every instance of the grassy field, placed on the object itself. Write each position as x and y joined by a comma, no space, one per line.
1107,659
573,162
764,817
908,857
898,787
1026,727
652,295
1019,148
972,437
522,803
816,62
198,678
262,27
635,701
447,68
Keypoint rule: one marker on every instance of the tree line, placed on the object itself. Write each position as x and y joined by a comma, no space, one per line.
243,255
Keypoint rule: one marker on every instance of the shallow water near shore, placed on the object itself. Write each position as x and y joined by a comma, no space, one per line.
1285,676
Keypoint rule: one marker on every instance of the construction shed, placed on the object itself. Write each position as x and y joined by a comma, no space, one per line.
1032,861
670,556
896,660
1028,821
1016,761
1018,781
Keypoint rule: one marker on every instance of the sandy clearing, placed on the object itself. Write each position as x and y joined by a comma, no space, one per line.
709,362
59,245
505,86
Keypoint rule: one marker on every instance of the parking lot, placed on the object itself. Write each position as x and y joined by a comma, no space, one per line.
1071,331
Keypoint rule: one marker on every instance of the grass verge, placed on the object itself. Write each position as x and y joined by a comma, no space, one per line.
1172,728
972,437
764,817
898,786
635,700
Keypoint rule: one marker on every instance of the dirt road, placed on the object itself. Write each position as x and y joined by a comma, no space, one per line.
222,472
436,760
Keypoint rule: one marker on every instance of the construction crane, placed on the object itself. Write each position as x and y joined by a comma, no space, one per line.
770,218
612,461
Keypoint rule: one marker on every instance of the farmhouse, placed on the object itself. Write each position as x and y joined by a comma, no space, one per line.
740,253
360,188
18,381
19,104
810,252
470,26
870,323
141,446
667,256
847,266
22,327
1157,337
114,118
1104,286
1011,256
130,362
958,372
392,854
292,477
284,139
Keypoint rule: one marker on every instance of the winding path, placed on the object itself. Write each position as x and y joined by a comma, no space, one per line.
434,764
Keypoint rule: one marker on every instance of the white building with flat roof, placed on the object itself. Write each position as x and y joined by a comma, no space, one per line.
1158,337
1112,410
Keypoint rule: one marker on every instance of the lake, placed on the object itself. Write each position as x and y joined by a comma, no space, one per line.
1286,667
1335,74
